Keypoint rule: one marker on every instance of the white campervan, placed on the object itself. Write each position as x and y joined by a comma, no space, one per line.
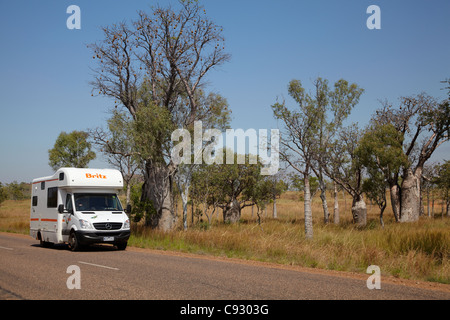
79,207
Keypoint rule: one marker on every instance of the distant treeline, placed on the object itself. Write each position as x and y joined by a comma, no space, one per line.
15,191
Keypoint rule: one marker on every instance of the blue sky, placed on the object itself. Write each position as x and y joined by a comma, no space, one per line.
45,67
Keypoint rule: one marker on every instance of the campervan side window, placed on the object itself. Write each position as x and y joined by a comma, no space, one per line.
52,197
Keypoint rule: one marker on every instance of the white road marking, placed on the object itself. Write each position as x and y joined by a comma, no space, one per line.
6,248
98,265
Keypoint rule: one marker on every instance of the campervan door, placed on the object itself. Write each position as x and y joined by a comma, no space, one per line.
45,222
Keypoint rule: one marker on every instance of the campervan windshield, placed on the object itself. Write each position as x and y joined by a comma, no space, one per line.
97,202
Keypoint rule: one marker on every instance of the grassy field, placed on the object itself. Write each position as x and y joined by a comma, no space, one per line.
418,251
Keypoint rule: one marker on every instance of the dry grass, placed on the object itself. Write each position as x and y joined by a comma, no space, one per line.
15,216
419,251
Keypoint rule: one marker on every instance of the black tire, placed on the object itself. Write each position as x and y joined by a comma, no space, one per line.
74,245
121,246
44,244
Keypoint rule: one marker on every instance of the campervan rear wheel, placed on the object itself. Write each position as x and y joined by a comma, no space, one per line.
42,242
74,245
45,244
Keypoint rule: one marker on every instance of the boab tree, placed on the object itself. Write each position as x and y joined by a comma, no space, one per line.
169,52
421,125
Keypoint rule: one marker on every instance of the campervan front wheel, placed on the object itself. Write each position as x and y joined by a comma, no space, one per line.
121,246
74,245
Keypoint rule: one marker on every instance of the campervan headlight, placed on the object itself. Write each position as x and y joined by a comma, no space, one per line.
84,224
126,224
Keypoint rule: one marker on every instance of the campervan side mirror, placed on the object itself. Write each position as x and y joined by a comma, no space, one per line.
62,210
128,208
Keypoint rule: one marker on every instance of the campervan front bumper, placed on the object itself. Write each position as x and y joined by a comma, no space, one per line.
86,237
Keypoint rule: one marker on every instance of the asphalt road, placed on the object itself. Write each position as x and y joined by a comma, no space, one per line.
28,271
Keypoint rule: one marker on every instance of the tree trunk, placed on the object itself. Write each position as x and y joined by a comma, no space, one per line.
185,209
345,200
383,207
183,180
432,207
336,204
410,197
323,197
275,215
359,211
232,212
128,193
394,191
448,207
421,210
308,211
157,188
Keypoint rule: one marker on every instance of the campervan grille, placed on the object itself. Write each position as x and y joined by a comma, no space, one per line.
108,225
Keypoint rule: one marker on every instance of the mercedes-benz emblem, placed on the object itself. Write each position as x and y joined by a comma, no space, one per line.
108,226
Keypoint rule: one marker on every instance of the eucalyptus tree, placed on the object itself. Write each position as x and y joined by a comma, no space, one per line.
346,169
230,187
335,107
310,129
429,179
442,181
3,193
71,150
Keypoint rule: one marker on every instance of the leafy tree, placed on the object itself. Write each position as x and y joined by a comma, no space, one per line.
375,189
346,170
422,125
261,192
3,193
298,184
429,179
443,182
230,187
117,145
380,151
277,186
334,107
16,191
151,128
205,189
236,185
308,132
71,150
298,140
140,208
